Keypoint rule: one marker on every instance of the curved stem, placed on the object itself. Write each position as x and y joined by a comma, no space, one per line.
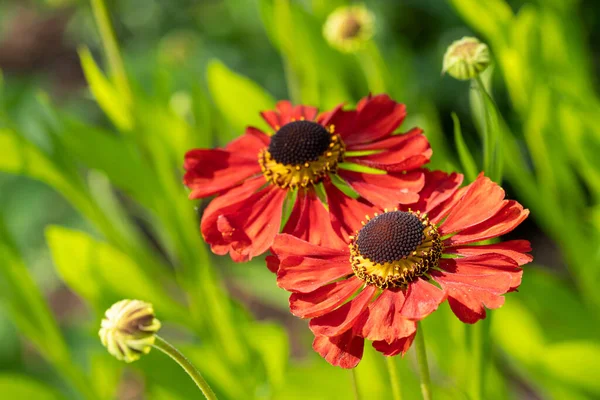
355,385
423,367
172,352
391,365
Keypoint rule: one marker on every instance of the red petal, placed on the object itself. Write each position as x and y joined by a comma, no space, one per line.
287,113
213,171
383,321
410,153
346,213
422,298
475,282
399,346
391,142
345,350
250,143
438,187
482,199
342,319
505,220
310,221
305,274
287,245
325,299
386,191
228,202
375,118
272,263
515,249
250,230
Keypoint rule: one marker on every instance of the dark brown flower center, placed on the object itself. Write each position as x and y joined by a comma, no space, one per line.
299,142
390,237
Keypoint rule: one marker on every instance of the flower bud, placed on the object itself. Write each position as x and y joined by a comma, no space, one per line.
128,329
466,58
348,28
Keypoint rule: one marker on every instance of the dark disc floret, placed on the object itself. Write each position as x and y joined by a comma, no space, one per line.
390,237
299,142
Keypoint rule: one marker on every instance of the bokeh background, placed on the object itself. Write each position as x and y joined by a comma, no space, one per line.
92,208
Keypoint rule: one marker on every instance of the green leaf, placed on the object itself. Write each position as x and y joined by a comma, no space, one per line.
574,362
466,159
344,186
102,275
271,343
239,99
14,386
108,97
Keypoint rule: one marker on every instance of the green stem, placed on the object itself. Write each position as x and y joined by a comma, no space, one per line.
172,352
479,352
371,63
423,367
391,365
486,127
111,48
355,385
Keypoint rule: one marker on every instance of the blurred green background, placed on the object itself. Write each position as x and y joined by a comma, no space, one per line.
92,208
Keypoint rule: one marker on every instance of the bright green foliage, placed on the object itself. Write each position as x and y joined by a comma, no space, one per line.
117,223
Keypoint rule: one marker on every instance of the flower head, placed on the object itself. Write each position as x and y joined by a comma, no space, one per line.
128,329
397,266
349,28
253,175
466,58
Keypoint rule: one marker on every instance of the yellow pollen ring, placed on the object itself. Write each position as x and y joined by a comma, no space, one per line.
399,273
289,176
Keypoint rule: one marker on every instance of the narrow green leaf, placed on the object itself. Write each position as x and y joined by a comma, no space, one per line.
466,159
239,99
343,186
108,97
102,275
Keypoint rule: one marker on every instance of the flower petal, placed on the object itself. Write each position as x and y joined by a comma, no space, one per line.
248,229
310,221
213,171
438,188
304,274
421,299
504,221
345,350
412,151
475,282
399,346
386,191
346,213
515,249
228,202
481,200
374,118
286,113
287,245
382,319
340,320
325,299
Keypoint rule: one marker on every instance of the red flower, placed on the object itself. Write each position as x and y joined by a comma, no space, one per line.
400,265
253,175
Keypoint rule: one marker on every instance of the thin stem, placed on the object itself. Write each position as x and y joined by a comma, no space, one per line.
479,351
391,365
486,128
111,48
355,385
423,367
172,352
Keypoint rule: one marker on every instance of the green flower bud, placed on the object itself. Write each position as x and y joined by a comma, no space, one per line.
348,28
466,58
128,329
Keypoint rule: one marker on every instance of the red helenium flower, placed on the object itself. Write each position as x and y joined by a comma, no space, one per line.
252,175
396,267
